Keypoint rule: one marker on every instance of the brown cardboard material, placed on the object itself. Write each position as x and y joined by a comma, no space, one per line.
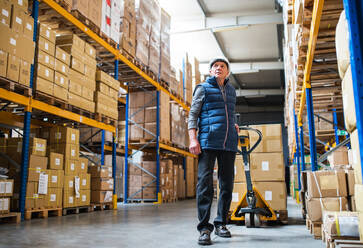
25,49
70,151
46,46
69,183
45,73
148,180
54,197
85,198
87,93
135,180
28,26
359,197
326,184
61,80
3,63
90,50
101,196
239,189
61,67
17,19
267,167
69,200
71,167
133,191
77,65
356,158
339,157
150,166
315,206
5,12
85,181
72,40
46,59
64,135
102,183
271,141
13,68
56,161
37,165
95,12
350,181
83,165
75,88
74,100
55,178
44,86
60,92
107,79
47,33
6,187
10,42
97,171
274,193
149,193
89,71
62,56
24,76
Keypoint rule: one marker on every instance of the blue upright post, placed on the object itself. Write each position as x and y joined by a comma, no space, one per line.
114,149
35,14
312,140
126,148
297,154
157,145
354,14
302,149
103,148
335,121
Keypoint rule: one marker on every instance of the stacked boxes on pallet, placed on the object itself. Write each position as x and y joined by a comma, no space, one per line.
190,177
167,179
106,96
178,125
128,27
16,46
165,47
6,191
102,184
188,79
134,177
55,179
119,182
267,169
343,57
148,180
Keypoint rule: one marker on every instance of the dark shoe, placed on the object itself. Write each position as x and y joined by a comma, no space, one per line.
204,238
222,231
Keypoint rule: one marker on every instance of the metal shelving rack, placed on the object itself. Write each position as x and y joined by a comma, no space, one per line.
354,16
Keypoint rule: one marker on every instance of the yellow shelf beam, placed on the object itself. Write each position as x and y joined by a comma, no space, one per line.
177,150
314,30
30,103
122,100
14,120
111,49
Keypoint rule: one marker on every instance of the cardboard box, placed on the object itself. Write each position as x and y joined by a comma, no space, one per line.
85,181
315,206
56,161
267,167
24,77
3,63
10,41
13,68
138,115
359,197
4,205
83,165
75,88
46,59
64,135
150,181
77,65
271,142
356,157
38,146
71,40
69,183
98,171
17,19
87,93
25,49
45,73
37,165
150,166
69,199
107,79
55,178
274,193
61,80
46,46
6,187
99,183
47,33
135,193
101,196
133,170
60,92
61,67
352,204
326,184
350,181
90,50
71,166
89,71
5,12
44,86
54,197
339,157
149,193
62,56
85,198
74,100
136,180
28,26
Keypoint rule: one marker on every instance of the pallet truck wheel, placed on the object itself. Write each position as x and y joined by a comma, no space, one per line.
257,220
249,220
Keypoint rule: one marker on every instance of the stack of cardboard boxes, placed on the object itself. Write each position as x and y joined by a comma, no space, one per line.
179,132
128,27
102,184
55,180
148,181
6,191
167,179
16,46
188,79
266,167
106,96
190,177
165,47
82,71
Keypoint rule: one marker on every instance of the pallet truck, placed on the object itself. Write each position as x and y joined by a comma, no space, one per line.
252,208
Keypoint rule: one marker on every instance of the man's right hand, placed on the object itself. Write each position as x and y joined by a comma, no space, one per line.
194,147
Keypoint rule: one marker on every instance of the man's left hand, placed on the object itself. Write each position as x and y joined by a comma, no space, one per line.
237,128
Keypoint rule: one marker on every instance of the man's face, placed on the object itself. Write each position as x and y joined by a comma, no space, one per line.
219,70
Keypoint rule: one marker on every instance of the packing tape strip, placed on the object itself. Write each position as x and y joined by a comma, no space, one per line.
337,224
317,184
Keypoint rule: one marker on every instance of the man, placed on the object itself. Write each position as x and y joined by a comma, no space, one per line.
213,114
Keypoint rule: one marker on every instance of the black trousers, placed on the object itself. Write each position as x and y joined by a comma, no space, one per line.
205,186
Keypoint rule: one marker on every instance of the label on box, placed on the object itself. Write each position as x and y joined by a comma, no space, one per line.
76,188
19,20
91,52
265,166
13,41
73,137
72,166
64,56
6,204
53,197
63,68
47,59
5,12
70,184
35,196
38,170
54,179
57,161
84,198
2,187
29,27
108,196
43,184
83,165
47,33
46,46
39,147
235,197
62,80
20,2
47,72
58,135
70,199
268,195
84,182
73,153
8,187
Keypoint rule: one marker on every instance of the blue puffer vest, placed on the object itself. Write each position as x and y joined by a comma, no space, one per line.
216,120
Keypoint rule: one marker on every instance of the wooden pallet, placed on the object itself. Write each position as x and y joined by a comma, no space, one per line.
64,5
102,206
16,87
105,119
42,213
12,217
282,216
80,111
77,210
51,100
169,200
314,228
333,241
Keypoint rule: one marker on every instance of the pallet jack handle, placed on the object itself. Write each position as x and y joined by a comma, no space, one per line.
242,138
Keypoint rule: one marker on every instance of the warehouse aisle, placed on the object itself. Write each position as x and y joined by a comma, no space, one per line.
168,225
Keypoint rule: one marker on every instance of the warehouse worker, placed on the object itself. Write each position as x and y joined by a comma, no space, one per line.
213,114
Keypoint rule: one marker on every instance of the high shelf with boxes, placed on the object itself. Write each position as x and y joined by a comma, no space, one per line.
323,68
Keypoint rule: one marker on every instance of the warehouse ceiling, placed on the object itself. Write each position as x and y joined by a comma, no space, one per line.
248,33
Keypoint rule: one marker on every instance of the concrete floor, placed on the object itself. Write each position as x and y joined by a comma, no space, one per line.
168,225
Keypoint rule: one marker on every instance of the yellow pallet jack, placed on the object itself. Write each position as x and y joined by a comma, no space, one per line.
252,208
